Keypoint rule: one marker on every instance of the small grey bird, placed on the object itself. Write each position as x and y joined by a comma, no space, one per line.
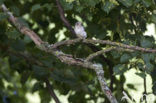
79,30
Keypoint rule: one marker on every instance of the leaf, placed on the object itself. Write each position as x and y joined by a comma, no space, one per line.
146,43
1,1
125,58
18,45
91,3
147,57
35,7
115,2
25,76
126,3
131,86
40,72
48,6
3,16
115,54
140,66
147,3
154,88
27,39
108,6
37,86
15,10
14,34
66,5
149,67
23,22
79,8
142,74
153,18
119,69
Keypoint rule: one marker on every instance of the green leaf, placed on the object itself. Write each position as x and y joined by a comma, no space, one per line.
125,58
37,86
115,54
35,7
136,1
131,86
1,1
40,72
147,3
18,45
3,16
146,43
154,88
48,6
140,66
126,3
23,22
14,34
153,18
27,39
15,10
142,74
108,6
149,67
119,69
147,57
91,3
25,76
79,8
66,5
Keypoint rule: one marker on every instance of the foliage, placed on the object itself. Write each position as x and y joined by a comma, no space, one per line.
122,21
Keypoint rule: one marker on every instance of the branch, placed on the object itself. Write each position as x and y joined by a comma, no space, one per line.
68,59
108,62
100,74
63,18
91,41
91,56
51,91
22,28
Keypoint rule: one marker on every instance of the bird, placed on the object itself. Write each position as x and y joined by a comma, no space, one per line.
79,30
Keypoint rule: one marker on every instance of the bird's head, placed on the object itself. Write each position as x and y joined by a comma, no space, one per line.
78,24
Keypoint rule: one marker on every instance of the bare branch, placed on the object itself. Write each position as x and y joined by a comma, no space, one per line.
63,18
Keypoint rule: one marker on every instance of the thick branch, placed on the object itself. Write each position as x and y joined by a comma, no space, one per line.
100,74
21,28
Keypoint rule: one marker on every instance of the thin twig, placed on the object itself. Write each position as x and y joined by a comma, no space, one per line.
91,56
51,91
